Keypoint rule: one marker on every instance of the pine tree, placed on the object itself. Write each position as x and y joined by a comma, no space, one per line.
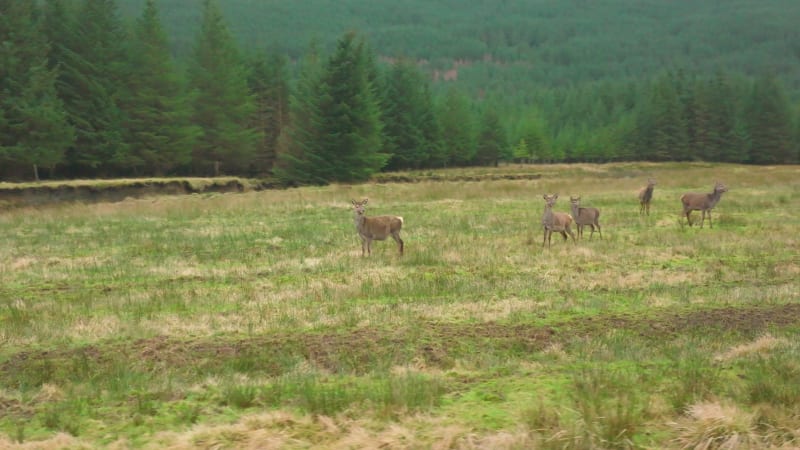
269,85
223,106
769,124
33,128
349,115
158,131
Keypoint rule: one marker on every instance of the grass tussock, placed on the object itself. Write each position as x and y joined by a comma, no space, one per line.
718,426
760,346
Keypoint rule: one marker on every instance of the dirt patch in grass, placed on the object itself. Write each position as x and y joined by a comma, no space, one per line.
438,344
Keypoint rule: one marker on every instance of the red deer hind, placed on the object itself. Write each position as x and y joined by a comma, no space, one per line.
555,221
376,228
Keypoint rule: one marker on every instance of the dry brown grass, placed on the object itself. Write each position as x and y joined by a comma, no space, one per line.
718,426
760,346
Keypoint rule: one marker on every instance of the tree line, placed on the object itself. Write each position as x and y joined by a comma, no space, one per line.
84,94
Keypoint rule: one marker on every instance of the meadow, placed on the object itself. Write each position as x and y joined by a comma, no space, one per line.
251,320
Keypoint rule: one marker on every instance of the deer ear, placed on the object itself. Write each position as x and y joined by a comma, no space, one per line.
353,202
365,201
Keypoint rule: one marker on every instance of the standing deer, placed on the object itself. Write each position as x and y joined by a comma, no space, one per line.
555,221
695,201
585,216
376,228
645,196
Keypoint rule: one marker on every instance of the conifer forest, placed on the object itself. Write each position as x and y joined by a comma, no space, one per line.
319,91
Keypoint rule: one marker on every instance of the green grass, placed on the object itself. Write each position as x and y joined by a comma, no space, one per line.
232,319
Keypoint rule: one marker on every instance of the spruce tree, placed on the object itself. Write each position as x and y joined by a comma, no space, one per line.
662,124
769,123
411,133
92,76
457,128
492,141
722,111
158,132
268,81
223,106
702,137
350,125
298,160
33,128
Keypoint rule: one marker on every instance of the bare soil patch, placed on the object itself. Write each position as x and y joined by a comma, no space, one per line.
438,344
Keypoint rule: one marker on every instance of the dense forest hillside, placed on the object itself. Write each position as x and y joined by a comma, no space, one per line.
507,43
318,91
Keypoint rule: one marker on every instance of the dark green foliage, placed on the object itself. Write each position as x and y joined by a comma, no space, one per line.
457,128
33,128
350,126
411,133
537,42
92,75
769,124
222,106
299,157
492,145
269,84
599,82
158,131
662,123
340,137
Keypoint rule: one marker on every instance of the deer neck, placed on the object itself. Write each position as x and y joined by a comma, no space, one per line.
547,217
575,210
359,220
714,197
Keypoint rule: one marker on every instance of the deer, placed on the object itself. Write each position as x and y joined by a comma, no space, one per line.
645,196
695,201
376,228
555,221
585,216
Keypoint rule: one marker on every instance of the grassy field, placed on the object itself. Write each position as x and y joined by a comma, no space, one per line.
252,321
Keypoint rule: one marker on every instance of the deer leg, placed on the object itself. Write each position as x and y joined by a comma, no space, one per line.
703,218
599,231
688,217
396,237
569,230
710,225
